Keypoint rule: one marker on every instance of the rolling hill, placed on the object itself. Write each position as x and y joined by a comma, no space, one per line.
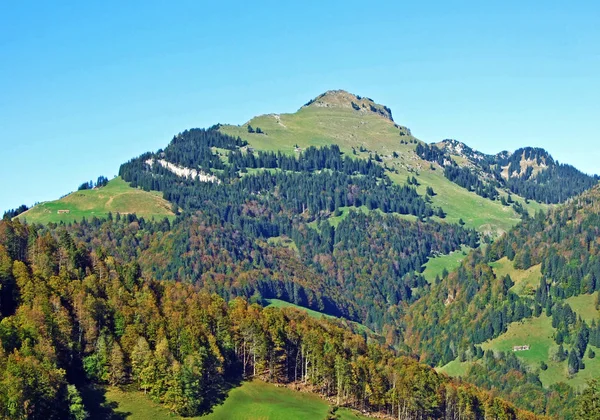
116,197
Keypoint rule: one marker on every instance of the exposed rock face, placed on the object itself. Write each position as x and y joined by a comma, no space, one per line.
458,148
183,171
343,99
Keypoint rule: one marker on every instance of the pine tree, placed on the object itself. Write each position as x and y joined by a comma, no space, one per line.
573,363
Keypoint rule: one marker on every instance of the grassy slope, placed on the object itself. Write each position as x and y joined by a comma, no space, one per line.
277,303
538,333
585,306
258,400
435,266
254,400
526,281
116,196
455,368
319,126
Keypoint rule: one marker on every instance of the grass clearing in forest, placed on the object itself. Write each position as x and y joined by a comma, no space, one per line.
538,333
585,306
283,241
356,326
455,368
557,372
526,281
254,400
116,197
535,332
278,303
435,266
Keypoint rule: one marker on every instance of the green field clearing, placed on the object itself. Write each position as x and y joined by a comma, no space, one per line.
557,372
526,281
317,126
482,214
349,414
536,332
283,241
277,303
254,400
116,197
258,400
585,306
455,368
435,266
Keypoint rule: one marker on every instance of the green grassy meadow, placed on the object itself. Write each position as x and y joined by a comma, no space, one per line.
283,241
318,126
455,368
526,281
277,303
254,400
538,333
435,266
585,306
116,197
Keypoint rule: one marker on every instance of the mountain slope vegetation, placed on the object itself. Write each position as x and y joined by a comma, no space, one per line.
331,118
473,305
116,197
416,253
74,313
529,172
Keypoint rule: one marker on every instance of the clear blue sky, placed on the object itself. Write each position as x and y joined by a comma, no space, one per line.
84,87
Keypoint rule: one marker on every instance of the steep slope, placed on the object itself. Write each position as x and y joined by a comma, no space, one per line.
363,128
537,286
264,196
529,172
75,314
116,197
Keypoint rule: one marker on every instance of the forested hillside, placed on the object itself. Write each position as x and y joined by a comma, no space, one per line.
294,197
75,313
473,305
335,208
529,172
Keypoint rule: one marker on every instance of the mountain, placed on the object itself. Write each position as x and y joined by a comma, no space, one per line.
529,172
335,208
366,129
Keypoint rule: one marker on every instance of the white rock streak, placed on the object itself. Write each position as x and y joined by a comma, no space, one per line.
184,172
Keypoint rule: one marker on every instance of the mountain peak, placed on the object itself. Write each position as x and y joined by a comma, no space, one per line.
343,99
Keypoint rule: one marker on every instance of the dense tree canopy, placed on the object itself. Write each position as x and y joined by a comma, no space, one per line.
72,320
